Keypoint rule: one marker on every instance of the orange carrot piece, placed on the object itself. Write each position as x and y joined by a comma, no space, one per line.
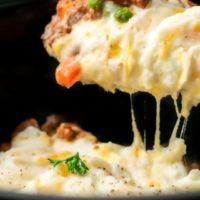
68,72
63,7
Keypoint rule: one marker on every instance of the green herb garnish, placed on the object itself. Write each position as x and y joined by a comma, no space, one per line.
123,14
95,4
74,164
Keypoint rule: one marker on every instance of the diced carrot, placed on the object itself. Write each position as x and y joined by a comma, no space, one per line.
62,7
68,72
60,12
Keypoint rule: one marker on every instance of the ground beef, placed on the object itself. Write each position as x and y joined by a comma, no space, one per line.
23,125
139,3
52,123
69,12
68,131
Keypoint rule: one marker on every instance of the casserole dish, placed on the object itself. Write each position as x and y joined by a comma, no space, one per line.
28,89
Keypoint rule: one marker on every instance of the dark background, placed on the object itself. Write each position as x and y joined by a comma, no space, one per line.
28,88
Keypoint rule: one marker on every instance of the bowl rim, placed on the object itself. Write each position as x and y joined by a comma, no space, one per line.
7,195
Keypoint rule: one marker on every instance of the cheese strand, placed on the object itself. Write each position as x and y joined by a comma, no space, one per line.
137,136
157,132
175,129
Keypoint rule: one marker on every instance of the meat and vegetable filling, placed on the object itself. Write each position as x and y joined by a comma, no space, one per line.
69,12
150,46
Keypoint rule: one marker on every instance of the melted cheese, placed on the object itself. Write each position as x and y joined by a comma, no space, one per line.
114,170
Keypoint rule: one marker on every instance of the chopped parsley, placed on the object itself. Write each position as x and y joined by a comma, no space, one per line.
74,164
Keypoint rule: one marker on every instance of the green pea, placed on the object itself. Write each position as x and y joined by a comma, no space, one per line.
95,4
123,14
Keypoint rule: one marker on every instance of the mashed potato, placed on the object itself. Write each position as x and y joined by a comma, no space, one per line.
114,170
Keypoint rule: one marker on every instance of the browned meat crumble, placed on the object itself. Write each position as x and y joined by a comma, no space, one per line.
69,12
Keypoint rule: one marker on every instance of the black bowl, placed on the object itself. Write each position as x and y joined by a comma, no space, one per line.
17,196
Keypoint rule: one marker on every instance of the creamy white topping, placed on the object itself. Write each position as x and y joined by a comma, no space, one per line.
114,170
